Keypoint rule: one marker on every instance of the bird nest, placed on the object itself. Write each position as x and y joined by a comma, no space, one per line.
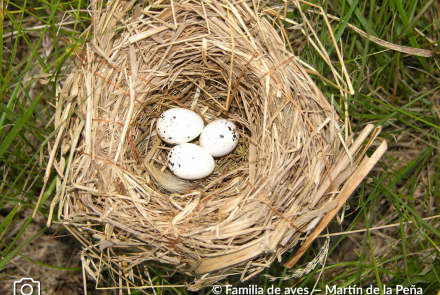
221,60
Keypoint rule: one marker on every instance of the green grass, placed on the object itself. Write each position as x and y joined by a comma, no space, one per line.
397,91
410,116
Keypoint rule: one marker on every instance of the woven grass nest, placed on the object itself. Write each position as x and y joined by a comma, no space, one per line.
221,60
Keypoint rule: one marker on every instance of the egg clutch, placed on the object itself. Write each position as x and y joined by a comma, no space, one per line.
190,161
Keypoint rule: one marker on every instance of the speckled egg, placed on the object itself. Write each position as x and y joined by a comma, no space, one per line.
219,138
179,125
190,161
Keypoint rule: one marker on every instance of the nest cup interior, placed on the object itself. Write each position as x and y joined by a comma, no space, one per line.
220,60
207,95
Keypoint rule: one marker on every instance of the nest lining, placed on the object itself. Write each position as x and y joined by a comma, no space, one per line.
118,189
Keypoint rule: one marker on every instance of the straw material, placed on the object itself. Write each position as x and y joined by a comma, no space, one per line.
221,60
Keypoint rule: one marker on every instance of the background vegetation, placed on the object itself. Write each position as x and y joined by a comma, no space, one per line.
386,235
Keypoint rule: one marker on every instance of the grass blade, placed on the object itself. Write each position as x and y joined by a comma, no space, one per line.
8,219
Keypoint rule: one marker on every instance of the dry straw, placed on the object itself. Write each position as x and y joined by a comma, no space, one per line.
289,175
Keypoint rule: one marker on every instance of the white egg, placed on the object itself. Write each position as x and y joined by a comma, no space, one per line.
190,161
179,125
219,138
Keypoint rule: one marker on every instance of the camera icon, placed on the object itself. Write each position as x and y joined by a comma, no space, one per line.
26,286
